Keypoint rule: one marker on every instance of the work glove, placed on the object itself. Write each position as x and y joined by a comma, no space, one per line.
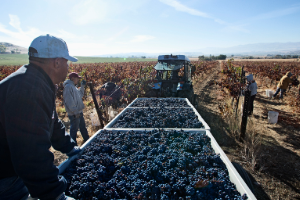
62,196
83,82
76,150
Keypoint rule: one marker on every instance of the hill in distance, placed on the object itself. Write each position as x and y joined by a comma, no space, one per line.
258,49
11,47
289,48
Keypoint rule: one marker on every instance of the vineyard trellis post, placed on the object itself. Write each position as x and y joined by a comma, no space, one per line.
245,113
242,81
96,104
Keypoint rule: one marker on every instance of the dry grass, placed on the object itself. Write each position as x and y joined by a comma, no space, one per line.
250,146
269,152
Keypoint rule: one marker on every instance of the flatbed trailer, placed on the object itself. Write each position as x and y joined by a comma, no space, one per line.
234,176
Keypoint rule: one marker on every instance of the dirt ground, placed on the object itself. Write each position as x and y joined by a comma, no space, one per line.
60,157
271,152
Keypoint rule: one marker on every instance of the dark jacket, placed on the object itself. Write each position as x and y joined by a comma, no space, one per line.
28,127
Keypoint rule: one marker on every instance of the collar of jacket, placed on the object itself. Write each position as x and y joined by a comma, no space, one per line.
68,82
45,75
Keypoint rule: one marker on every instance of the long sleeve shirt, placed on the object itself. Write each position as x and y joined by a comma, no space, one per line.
29,125
73,98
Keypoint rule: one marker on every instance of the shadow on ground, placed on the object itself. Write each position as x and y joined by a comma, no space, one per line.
280,163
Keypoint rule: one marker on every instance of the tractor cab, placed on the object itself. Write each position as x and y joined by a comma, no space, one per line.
173,77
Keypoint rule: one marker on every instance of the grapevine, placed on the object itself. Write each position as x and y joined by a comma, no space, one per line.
274,71
133,77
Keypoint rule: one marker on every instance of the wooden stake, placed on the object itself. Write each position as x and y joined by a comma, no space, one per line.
245,114
96,104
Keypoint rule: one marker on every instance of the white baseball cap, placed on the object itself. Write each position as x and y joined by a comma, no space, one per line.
48,46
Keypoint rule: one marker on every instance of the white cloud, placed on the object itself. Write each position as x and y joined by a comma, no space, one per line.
15,22
86,49
235,28
115,36
267,15
24,38
164,15
89,11
277,13
102,11
67,35
142,38
231,27
180,7
219,21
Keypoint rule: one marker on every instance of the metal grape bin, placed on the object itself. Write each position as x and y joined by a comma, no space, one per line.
234,176
110,125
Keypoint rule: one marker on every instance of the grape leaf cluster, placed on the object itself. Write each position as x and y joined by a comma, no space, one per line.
168,102
154,164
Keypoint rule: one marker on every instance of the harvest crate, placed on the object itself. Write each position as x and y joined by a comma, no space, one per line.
187,102
234,176
110,125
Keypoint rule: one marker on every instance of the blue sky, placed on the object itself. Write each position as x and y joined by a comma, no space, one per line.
96,27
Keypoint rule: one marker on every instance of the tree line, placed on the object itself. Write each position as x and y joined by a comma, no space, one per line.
212,57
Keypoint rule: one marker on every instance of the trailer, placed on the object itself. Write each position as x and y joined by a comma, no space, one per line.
234,176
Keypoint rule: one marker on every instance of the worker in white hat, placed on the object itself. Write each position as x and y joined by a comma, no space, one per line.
29,124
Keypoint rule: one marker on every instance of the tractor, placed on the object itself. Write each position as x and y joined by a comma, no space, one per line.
173,78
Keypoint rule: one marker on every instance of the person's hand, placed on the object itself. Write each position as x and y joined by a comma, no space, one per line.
83,82
77,115
64,197
76,150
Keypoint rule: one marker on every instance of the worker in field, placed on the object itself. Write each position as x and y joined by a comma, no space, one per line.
74,105
29,124
283,85
113,94
252,86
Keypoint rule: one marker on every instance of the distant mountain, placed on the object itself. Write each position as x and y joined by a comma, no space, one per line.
11,47
292,48
150,55
256,49
288,48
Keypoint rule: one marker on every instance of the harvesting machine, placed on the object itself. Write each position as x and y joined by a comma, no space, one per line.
173,78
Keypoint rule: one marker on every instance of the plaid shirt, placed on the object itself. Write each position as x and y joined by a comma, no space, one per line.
29,125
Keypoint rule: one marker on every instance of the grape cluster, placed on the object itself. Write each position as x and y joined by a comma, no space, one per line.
168,102
154,164
158,118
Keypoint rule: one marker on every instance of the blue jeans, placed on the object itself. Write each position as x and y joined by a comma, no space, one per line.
282,91
13,188
76,123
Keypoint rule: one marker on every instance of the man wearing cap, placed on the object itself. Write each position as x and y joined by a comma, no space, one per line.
283,85
252,86
29,124
74,105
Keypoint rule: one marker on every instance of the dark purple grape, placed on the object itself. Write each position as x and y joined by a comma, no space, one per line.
168,102
153,164
158,118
